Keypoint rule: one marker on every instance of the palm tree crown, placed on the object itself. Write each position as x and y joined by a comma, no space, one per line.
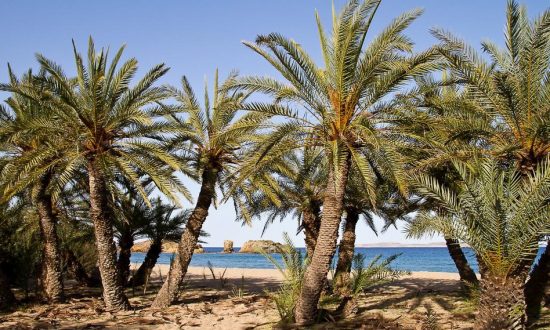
341,100
511,89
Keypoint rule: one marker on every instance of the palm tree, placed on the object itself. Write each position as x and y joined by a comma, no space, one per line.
217,138
23,137
440,123
390,207
511,91
130,222
342,102
112,130
163,224
501,215
447,175
293,185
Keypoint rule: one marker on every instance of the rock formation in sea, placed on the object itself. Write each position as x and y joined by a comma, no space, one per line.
167,247
228,246
256,246
198,249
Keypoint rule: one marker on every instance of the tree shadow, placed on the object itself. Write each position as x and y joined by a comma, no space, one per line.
415,291
367,322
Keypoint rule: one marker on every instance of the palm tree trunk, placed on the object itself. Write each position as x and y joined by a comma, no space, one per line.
311,223
170,289
467,275
481,265
125,252
316,273
345,253
113,292
7,299
52,275
537,288
501,303
148,264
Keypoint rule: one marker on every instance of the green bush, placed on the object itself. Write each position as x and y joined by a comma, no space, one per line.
293,266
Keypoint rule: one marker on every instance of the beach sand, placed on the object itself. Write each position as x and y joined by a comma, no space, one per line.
239,301
275,275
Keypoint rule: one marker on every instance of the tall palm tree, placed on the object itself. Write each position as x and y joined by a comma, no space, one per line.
501,215
24,137
217,138
511,91
432,119
113,129
341,103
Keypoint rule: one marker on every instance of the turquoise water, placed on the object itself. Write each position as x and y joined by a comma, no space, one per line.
431,259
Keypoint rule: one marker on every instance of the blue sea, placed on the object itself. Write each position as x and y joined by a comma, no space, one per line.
430,259
415,259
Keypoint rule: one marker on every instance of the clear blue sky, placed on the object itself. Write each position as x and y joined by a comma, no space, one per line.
195,37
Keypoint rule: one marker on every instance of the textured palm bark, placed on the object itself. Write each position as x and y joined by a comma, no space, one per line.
316,273
113,292
481,265
467,276
7,299
170,289
345,253
348,307
311,223
537,288
125,252
148,264
52,275
501,303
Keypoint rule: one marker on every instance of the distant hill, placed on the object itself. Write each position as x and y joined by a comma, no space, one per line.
402,245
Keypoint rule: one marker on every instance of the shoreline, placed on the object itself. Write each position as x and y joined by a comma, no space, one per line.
361,246
275,275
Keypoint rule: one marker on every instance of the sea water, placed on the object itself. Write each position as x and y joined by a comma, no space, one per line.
431,259
415,259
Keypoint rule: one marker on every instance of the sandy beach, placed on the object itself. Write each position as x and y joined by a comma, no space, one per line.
238,300
274,276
